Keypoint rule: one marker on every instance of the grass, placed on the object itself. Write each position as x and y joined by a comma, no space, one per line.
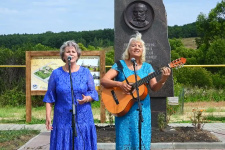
189,42
10,140
213,111
195,94
215,119
17,115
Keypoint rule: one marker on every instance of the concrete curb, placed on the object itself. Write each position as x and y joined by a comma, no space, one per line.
24,146
191,145
41,141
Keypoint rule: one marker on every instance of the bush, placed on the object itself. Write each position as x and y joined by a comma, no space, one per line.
199,77
218,81
37,100
195,94
14,97
161,121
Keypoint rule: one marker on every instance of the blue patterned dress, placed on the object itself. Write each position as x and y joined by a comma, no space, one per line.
59,92
127,133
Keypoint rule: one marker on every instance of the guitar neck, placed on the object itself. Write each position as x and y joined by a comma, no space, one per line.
176,63
146,79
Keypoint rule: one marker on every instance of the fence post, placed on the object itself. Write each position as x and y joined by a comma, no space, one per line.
181,97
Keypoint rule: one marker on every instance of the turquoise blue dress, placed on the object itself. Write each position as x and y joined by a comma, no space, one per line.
127,133
59,93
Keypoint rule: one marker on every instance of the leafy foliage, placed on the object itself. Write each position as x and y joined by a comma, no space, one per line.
211,27
211,50
13,97
198,120
161,121
196,94
194,77
109,57
188,30
101,38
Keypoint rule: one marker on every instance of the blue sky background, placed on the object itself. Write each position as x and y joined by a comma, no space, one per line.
39,16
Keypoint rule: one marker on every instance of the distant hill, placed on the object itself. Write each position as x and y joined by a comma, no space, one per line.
185,31
96,38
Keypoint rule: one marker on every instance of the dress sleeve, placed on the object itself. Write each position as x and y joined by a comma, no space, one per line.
151,69
115,67
148,68
91,91
50,95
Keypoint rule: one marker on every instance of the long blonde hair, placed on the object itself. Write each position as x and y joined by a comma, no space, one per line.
136,38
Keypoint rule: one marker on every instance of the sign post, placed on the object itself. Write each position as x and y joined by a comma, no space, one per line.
40,64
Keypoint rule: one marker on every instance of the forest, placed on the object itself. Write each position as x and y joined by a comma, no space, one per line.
208,31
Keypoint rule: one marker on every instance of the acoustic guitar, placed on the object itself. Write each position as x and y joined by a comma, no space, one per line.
119,103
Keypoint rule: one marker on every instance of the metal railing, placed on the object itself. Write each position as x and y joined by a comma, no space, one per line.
11,66
219,65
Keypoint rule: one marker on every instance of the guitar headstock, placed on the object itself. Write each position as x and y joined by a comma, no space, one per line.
177,63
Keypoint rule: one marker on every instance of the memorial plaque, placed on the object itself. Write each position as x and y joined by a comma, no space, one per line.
149,18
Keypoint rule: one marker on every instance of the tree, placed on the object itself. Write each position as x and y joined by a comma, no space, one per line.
174,43
109,59
216,54
212,27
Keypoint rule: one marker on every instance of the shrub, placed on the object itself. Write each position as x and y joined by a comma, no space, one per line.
170,110
194,77
218,81
161,121
13,97
195,94
37,100
197,119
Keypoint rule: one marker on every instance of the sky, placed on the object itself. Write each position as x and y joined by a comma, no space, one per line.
40,16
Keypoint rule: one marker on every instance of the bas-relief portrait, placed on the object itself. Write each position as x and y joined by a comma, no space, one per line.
139,16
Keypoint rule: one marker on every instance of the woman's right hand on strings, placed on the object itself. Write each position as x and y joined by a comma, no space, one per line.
125,87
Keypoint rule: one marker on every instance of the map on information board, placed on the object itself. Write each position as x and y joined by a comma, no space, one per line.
42,67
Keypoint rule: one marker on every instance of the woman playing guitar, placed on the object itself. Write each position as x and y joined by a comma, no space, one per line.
127,123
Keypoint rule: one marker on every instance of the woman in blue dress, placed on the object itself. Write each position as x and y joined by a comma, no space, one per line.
59,95
127,128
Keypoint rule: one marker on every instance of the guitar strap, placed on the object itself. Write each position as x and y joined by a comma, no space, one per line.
120,67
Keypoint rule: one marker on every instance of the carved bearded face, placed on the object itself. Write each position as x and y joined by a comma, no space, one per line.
139,12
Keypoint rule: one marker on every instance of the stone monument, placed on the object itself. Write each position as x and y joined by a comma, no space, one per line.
149,18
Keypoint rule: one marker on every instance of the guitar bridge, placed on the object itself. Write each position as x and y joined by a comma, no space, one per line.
114,97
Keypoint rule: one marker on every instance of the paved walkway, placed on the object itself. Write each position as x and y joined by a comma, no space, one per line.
41,141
